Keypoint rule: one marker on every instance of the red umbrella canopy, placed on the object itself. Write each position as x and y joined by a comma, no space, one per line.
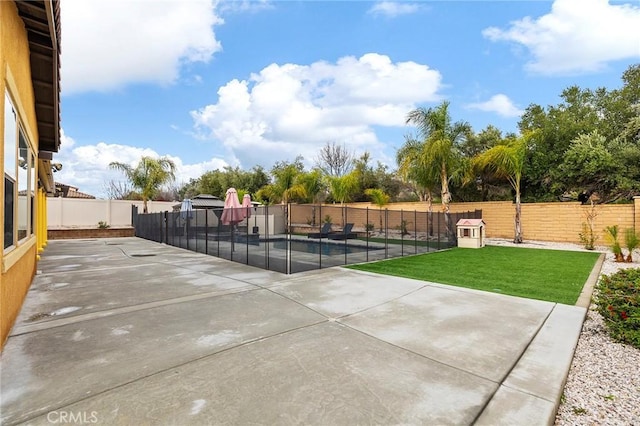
246,205
233,211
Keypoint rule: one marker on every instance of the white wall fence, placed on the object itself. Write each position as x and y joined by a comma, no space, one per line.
65,213
83,213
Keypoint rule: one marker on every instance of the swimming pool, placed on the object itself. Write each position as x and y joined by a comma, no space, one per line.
315,247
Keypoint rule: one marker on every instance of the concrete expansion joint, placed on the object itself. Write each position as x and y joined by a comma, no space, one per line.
32,328
513,366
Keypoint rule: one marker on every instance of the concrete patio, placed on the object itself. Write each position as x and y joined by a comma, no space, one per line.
127,331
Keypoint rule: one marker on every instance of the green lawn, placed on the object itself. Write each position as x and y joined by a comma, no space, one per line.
552,275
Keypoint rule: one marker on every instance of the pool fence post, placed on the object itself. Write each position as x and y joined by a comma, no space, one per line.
439,217
366,227
320,240
266,232
206,231
402,228
247,239
415,232
346,211
386,233
288,233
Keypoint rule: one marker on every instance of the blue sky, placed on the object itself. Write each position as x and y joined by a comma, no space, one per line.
246,83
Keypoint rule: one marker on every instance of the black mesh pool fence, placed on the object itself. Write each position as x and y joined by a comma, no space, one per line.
295,238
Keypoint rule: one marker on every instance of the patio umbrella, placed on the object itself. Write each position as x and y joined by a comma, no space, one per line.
232,213
246,205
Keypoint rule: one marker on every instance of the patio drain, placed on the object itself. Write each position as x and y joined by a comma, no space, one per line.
142,254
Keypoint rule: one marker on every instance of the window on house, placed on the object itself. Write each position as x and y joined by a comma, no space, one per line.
23,187
32,193
10,140
19,179
465,232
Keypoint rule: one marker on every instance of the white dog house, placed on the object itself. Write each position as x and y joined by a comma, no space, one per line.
471,233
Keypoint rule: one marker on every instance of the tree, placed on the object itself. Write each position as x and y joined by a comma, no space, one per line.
413,168
507,161
379,198
440,146
312,188
148,176
118,190
334,159
284,185
370,177
613,113
312,185
480,185
588,165
342,187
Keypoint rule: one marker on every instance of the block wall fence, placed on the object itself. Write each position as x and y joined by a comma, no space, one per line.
557,222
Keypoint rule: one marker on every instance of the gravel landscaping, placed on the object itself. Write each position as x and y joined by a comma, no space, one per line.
603,387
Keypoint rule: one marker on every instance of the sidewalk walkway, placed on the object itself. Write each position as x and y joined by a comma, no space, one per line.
127,331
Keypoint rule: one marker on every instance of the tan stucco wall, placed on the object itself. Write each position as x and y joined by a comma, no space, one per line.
15,284
560,222
18,266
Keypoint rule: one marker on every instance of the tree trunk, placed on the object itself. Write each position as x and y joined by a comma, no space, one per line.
381,230
430,214
446,198
144,203
518,223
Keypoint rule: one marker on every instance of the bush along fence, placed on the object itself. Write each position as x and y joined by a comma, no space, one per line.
276,239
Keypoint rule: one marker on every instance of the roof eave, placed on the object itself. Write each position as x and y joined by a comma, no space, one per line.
42,23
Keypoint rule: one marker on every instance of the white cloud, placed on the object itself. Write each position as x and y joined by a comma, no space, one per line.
393,9
244,6
106,45
87,166
577,36
288,110
500,104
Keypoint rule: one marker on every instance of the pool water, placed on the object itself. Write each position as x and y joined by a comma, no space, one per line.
314,247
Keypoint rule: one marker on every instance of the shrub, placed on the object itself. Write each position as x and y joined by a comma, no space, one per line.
618,301
328,219
632,241
103,225
369,227
404,227
612,238
588,237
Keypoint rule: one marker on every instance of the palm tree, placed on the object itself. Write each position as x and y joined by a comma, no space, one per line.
311,184
412,168
506,161
312,187
342,189
149,175
379,198
284,186
440,146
